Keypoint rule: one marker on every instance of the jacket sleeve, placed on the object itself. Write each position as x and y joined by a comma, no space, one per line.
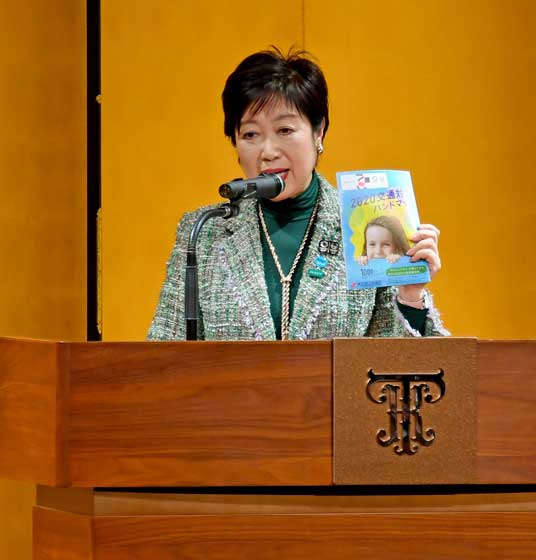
168,322
387,320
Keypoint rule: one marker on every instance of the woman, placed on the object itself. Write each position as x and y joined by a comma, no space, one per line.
276,271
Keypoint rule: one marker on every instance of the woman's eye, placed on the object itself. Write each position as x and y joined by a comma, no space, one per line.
285,130
248,135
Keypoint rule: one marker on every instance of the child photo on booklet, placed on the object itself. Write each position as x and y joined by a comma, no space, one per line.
385,238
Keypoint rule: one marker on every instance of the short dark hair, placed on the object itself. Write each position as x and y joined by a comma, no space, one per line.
268,75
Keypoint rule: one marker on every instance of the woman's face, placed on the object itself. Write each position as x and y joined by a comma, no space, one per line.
379,242
277,139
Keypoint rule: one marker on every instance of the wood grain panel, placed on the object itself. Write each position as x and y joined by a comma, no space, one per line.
32,405
199,413
110,503
506,438
141,414
61,536
486,536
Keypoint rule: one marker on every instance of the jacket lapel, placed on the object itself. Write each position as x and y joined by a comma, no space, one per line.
313,290
242,252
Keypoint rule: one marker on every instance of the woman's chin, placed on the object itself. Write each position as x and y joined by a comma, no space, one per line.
290,191
280,197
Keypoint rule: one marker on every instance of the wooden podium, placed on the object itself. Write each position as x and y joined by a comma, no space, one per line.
339,449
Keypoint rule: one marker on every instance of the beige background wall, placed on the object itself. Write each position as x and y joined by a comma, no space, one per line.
42,193
443,88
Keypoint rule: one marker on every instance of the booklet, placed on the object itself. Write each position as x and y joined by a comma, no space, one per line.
378,214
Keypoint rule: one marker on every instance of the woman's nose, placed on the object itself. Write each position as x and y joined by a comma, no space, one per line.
269,150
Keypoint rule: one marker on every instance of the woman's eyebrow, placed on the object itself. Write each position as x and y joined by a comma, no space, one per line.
249,121
284,116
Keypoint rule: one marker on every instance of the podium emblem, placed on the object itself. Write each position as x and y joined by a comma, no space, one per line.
405,395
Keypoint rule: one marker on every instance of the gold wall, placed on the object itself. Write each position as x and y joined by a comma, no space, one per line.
43,194
443,88
163,148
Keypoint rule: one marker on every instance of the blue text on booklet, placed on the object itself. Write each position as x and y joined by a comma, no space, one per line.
378,214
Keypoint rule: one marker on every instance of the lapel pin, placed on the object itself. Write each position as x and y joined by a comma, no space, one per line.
328,247
333,248
315,273
321,261
323,246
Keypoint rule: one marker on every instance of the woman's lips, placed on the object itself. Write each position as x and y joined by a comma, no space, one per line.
283,173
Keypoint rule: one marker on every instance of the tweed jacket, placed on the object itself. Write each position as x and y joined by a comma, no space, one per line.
234,299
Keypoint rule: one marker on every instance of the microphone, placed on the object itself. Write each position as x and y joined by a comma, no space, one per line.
266,185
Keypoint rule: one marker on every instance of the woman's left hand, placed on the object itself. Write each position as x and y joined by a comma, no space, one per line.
426,247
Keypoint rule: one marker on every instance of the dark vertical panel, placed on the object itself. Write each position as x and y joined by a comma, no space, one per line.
93,168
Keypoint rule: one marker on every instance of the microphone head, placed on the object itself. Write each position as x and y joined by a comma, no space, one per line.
232,189
270,186
266,185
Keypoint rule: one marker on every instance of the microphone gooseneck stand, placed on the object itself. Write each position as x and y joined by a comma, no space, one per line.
191,287
266,185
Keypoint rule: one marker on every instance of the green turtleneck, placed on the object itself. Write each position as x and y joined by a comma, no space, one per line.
286,222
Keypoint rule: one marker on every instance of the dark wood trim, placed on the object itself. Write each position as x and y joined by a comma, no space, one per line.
93,166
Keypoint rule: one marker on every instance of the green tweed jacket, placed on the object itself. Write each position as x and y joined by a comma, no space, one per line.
233,295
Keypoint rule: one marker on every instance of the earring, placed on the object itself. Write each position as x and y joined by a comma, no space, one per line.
319,146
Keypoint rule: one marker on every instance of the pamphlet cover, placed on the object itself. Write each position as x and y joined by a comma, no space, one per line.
378,214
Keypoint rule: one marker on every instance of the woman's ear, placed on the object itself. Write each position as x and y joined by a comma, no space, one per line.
319,133
318,136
